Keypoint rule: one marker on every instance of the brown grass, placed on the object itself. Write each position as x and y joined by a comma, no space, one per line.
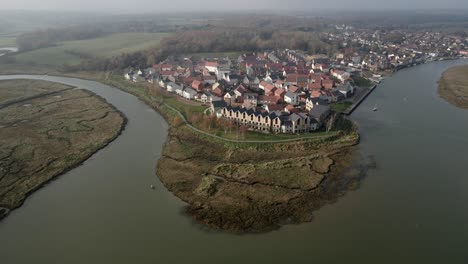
453,86
42,137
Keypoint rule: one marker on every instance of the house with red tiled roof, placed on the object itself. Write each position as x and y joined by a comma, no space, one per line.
279,84
198,85
218,91
294,89
328,84
315,86
211,66
280,92
291,109
263,99
270,90
240,90
162,67
274,108
316,94
166,74
187,81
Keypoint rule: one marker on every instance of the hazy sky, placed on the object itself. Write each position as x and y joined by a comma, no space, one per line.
223,5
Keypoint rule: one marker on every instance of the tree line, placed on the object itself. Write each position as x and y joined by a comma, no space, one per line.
219,40
50,37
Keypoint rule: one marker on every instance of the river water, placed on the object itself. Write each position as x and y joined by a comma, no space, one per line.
4,50
413,208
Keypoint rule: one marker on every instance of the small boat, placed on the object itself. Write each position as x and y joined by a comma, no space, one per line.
152,187
375,108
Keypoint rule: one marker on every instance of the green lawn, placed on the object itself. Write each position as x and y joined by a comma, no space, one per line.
184,108
341,106
361,82
107,46
253,135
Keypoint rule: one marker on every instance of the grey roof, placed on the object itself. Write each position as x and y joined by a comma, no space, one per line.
290,94
318,101
190,91
251,111
319,110
174,85
219,104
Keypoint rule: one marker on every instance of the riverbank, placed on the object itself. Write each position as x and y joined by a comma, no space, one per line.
256,187
453,86
284,181
47,129
252,186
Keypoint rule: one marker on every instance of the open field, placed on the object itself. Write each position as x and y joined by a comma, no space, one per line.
453,86
72,52
22,89
45,130
7,42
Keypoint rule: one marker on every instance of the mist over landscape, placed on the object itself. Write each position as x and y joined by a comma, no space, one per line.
145,6
233,131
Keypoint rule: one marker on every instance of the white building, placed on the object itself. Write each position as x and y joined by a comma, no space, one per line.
291,98
172,87
189,93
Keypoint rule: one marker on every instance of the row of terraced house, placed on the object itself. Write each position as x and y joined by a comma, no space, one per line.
276,122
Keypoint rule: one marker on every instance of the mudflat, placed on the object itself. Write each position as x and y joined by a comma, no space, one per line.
45,130
453,86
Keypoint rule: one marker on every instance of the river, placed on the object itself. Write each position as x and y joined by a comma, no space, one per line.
413,208
5,50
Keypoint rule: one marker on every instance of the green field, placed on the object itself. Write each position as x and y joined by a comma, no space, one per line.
341,106
7,42
107,46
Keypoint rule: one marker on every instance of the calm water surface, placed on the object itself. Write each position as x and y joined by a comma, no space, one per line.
413,208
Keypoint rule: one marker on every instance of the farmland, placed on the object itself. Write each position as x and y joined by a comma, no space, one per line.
73,52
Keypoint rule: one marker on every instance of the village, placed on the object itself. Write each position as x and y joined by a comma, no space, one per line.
279,92
289,91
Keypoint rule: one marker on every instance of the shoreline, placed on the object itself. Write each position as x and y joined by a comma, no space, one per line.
281,202
195,208
453,86
189,187
79,162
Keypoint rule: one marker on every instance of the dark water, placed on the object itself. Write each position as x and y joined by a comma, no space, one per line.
413,208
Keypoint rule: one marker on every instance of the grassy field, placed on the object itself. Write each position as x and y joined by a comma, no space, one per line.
41,137
21,89
361,82
341,106
7,42
255,188
108,46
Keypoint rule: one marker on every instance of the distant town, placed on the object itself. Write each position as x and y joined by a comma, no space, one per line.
289,91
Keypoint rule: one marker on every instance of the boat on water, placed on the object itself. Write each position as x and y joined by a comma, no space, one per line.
375,108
